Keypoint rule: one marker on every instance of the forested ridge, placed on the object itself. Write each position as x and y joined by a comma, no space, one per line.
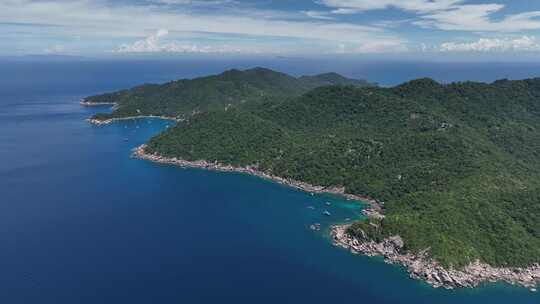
185,97
457,166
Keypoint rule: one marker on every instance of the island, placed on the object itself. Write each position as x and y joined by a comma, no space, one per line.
183,98
451,172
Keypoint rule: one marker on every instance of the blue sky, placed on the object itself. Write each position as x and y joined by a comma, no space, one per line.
280,27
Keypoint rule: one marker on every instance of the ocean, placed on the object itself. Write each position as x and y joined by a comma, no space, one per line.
82,222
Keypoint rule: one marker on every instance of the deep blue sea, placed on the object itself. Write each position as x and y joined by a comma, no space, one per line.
82,222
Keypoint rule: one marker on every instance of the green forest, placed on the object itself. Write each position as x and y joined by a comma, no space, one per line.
456,165
183,98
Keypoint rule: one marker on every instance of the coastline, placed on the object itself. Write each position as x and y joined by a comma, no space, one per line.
418,265
374,209
421,267
85,103
98,122
111,120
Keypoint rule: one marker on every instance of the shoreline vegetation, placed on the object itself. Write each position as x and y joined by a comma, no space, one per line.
453,166
86,103
421,267
418,265
374,210
100,122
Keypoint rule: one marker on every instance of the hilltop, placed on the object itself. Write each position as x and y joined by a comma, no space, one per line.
183,98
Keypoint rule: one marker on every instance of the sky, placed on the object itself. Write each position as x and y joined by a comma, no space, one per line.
393,28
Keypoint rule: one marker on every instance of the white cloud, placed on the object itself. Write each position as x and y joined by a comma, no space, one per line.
162,33
195,2
380,47
453,15
521,44
155,44
148,45
111,24
478,18
55,49
152,44
345,11
371,48
351,6
318,15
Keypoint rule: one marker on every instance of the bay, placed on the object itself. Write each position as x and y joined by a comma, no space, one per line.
82,222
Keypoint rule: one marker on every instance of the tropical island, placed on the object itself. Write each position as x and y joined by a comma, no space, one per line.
186,97
451,171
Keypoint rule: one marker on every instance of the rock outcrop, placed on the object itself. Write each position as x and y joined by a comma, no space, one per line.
421,266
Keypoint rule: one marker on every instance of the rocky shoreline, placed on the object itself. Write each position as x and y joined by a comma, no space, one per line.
111,120
375,206
85,103
420,266
99,122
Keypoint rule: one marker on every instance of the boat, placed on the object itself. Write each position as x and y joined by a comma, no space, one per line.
327,213
327,203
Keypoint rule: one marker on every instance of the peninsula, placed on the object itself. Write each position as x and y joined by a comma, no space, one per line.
453,171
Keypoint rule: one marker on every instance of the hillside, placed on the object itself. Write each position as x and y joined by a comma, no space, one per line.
234,87
457,166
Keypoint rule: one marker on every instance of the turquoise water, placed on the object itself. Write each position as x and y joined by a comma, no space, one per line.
82,222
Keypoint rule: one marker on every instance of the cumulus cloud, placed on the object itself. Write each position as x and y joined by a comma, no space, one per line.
205,25
521,44
104,23
148,45
152,44
371,47
156,43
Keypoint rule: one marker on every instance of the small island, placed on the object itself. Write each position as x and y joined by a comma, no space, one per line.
451,171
